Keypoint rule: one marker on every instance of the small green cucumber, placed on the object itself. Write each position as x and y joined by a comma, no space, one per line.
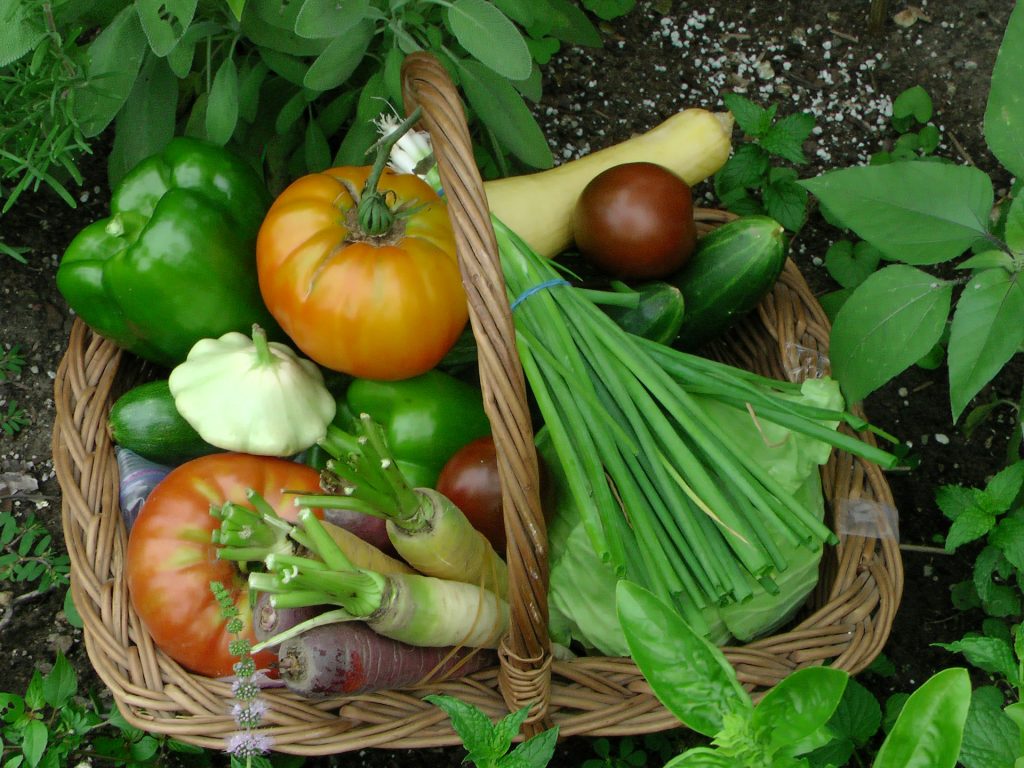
731,270
658,314
144,420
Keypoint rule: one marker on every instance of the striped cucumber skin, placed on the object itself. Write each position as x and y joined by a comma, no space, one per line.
145,421
731,270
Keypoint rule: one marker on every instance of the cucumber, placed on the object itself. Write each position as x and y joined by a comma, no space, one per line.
731,270
144,420
657,317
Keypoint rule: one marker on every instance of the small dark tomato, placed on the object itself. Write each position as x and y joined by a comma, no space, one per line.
635,221
470,479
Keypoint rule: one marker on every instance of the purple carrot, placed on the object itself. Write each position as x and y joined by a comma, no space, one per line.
268,621
372,530
350,658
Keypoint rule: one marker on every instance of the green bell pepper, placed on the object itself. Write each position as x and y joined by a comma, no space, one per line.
175,262
426,419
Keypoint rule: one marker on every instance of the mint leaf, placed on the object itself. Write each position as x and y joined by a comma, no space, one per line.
1008,537
1004,113
890,321
997,599
786,137
953,500
991,740
1004,488
786,202
473,727
858,715
914,212
752,119
506,729
488,35
990,654
746,168
987,330
535,752
971,525
964,596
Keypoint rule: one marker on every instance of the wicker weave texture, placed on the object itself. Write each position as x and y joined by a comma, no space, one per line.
787,338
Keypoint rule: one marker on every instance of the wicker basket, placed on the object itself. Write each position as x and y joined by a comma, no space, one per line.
846,622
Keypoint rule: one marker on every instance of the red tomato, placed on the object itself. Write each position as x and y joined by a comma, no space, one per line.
470,479
635,220
171,561
388,307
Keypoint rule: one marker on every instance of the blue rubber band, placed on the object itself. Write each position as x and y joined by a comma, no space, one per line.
537,288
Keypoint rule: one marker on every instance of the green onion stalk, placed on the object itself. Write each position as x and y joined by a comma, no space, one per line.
666,497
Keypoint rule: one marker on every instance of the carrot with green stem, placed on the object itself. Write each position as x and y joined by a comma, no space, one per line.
250,534
426,528
417,610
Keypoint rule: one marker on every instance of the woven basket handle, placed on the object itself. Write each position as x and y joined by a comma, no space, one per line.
525,672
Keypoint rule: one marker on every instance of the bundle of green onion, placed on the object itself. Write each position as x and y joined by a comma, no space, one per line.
667,498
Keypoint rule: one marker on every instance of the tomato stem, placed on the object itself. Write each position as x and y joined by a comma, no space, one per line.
376,216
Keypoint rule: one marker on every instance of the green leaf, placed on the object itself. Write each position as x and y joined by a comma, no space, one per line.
60,683
688,675
991,654
393,76
890,321
112,64
914,212
913,102
1004,487
609,9
165,22
991,740
237,8
523,12
329,18
988,260
363,134
34,698
269,24
315,148
997,599
849,264
570,24
145,124
786,137
33,742
746,168
800,704
858,715
987,330
473,727
954,500
535,752
339,59
751,118
893,706
938,708
969,526
487,34
249,87
71,612
291,112
786,202
182,55
543,49
502,110
222,107
19,33
1015,225
506,730
1008,537
928,138
1004,113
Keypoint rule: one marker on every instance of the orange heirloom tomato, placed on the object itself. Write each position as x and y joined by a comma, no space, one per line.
171,559
379,307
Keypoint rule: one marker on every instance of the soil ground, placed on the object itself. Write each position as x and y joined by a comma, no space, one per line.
816,57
